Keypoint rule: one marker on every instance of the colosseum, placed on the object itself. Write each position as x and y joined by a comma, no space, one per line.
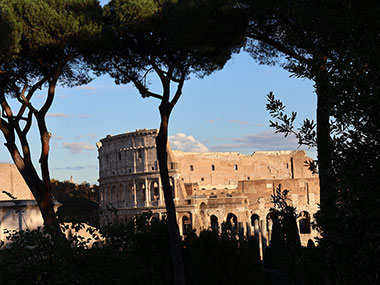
208,188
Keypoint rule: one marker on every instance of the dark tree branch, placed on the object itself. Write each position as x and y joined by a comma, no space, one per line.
52,83
280,47
179,89
33,89
143,90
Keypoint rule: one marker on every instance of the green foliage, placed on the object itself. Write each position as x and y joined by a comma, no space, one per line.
285,252
80,202
284,124
214,259
46,42
45,32
332,43
10,33
173,36
135,253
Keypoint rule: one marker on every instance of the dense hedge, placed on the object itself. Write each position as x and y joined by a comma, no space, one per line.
136,253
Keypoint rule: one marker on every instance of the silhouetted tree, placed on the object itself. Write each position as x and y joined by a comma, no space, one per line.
44,43
345,34
171,39
80,202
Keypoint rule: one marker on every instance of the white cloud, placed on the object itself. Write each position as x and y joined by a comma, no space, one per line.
264,141
70,168
186,143
78,147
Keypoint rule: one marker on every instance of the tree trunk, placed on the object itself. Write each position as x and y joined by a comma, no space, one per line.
40,190
174,236
324,141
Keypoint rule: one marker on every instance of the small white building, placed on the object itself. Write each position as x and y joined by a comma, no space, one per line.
18,208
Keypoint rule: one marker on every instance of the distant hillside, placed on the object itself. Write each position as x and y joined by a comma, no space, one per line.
80,202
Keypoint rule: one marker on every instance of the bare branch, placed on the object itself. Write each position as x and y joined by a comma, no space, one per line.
52,83
28,123
162,74
25,101
6,109
144,92
28,97
179,89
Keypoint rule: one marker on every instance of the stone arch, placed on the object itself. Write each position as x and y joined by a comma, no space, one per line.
172,186
214,223
202,212
140,194
255,223
130,195
304,222
186,224
255,220
154,192
231,221
269,225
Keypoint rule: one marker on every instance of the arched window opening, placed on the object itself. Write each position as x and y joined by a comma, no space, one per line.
130,196
154,193
186,225
231,222
140,195
214,223
304,223
172,187
255,222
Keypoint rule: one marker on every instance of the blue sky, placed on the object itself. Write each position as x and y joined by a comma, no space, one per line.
222,112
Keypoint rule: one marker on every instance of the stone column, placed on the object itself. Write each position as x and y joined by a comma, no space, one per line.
146,166
160,190
180,226
134,193
147,198
256,228
134,155
124,196
20,220
264,233
270,224
248,229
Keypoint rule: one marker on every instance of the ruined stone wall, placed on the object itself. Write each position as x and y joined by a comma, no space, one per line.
129,176
224,170
208,188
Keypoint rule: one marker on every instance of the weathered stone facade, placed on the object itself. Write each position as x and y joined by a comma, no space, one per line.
209,188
